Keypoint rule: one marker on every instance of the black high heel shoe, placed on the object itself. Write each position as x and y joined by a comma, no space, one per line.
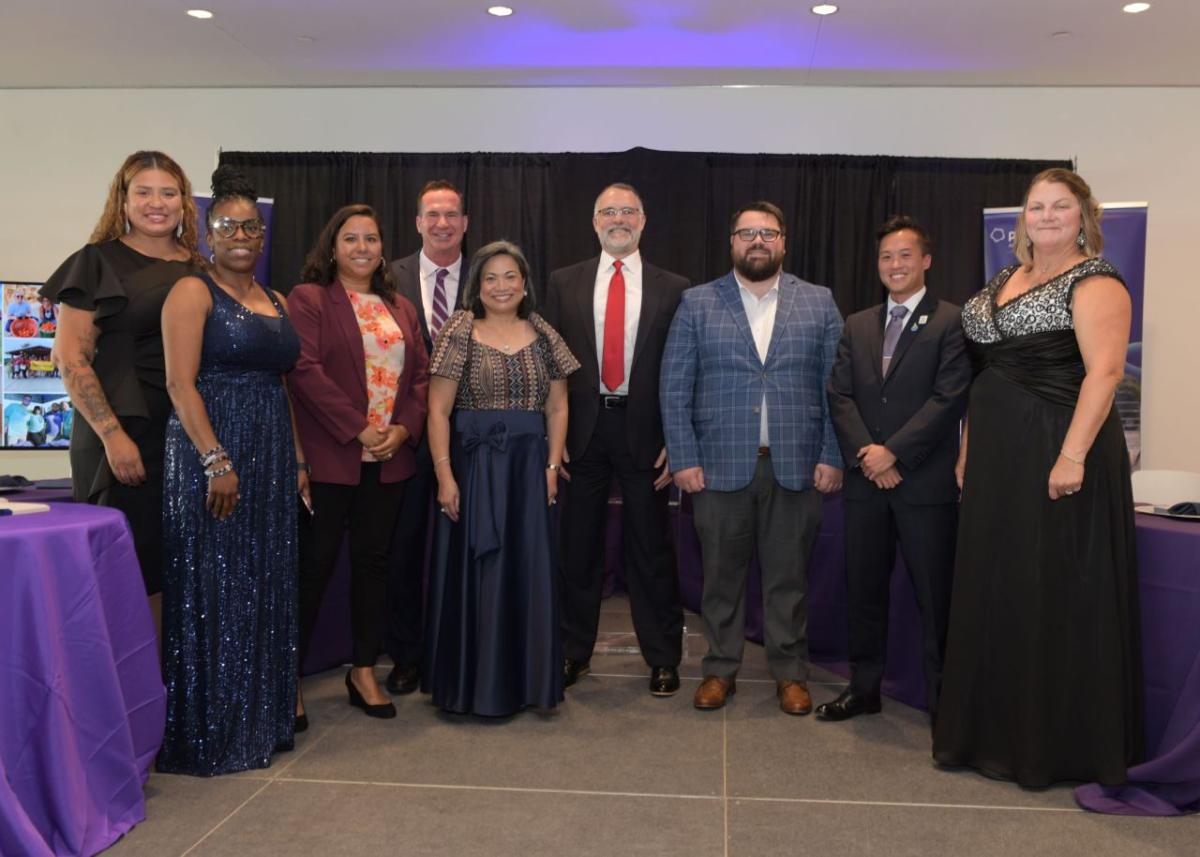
385,711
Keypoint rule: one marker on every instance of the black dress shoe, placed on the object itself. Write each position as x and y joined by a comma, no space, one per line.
664,681
847,705
574,670
301,724
403,679
383,711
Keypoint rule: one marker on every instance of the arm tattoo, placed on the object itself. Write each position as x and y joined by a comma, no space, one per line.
87,394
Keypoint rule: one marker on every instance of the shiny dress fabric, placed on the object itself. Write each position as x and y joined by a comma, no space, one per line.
229,588
492,643
1043,678
125,291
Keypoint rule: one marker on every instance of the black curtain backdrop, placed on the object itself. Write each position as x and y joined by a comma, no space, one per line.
543,202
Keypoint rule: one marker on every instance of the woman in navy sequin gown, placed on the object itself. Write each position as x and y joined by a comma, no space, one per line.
229,513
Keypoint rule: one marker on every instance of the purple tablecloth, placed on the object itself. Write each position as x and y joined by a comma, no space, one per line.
81,695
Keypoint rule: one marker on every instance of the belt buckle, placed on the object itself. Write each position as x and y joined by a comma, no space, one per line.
610,402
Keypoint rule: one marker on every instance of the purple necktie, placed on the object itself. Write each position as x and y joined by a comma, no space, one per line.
891,335
440,312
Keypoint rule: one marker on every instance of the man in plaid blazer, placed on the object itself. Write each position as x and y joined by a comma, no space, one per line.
749,436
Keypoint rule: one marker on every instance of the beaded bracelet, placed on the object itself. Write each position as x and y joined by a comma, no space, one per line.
227,467
208,459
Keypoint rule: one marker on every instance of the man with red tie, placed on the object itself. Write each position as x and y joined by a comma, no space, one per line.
614,312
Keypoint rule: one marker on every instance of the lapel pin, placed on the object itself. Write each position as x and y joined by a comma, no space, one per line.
913,329
922,319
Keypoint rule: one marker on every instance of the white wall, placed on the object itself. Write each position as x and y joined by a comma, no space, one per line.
60,148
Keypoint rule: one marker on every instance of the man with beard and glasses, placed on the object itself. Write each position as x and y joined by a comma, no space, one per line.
613,311
749,437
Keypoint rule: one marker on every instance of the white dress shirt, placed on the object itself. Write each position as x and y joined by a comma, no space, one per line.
429,280
631,270
760,312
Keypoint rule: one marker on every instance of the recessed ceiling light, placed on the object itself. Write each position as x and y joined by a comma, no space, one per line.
1061,34
1134,8
824,9
500,11
202,14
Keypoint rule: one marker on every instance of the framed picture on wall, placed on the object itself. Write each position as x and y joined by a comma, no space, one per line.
36,412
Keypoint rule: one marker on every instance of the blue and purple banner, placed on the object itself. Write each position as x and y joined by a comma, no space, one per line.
1124,228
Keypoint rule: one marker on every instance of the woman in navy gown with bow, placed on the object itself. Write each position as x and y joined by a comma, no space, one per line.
492,639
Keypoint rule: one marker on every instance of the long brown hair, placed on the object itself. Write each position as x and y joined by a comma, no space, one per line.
320,267
112,222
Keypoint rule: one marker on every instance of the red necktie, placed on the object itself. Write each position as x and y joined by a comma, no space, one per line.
612,366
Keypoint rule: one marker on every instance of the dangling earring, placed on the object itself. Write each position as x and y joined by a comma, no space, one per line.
179,228
128,226
212,258
1081,238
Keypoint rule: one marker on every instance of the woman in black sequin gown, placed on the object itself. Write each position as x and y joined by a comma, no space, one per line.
229,520
1043,679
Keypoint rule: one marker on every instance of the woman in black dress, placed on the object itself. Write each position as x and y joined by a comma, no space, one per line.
1043,665
109,348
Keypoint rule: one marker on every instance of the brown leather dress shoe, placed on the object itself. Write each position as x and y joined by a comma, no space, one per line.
713,692
793,697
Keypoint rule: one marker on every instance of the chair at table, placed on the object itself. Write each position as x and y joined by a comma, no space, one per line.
1166,487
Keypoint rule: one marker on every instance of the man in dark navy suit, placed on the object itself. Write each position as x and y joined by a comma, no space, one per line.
432,279
897,393
614,311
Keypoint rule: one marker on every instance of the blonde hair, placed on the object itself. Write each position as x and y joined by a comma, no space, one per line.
1089,214
112,221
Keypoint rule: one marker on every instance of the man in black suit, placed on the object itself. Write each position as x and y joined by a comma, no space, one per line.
897,393
432,278
614,312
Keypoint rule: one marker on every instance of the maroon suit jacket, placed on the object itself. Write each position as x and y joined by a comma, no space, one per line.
329,384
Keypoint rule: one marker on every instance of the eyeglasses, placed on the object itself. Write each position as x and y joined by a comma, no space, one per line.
769,236
613,212
227,227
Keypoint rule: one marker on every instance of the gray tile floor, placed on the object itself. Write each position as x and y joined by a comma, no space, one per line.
615,771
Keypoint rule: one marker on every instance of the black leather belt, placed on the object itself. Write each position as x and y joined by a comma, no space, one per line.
613,401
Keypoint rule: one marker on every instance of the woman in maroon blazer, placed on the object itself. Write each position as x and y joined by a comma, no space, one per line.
359,389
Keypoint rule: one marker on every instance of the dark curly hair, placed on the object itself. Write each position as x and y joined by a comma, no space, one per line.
228,184
319,265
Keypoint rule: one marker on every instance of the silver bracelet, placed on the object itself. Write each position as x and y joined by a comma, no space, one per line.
208,459
227,467
1063,453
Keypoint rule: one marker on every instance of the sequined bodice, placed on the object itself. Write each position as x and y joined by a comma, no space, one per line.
1044,308
237,340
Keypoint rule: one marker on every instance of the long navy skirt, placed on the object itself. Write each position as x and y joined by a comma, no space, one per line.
492,637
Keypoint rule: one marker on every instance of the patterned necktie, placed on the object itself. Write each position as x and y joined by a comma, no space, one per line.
612,366
891,335
440,311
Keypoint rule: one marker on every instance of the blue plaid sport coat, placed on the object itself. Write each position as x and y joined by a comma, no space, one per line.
712,384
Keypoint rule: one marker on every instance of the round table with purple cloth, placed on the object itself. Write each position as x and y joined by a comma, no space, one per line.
81,695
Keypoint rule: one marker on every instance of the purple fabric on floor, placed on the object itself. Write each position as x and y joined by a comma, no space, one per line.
1168,782
81,695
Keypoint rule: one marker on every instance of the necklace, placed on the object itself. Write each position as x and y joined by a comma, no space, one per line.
1043,270
506,344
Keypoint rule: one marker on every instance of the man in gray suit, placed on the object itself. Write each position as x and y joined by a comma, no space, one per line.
432,279
749,437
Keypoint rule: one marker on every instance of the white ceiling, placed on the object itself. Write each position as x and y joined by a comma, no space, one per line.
339,43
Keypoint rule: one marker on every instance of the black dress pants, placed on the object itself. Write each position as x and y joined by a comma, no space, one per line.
368,511
926,537
650,571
